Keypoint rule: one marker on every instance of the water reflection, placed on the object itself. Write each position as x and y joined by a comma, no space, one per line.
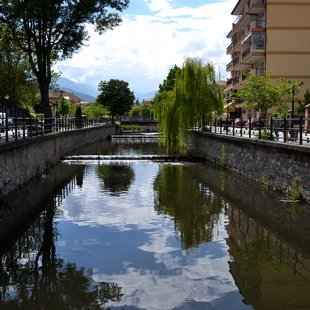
32,276
152,236
193,206
116,178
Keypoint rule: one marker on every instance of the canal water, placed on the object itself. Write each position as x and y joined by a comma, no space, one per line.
140,234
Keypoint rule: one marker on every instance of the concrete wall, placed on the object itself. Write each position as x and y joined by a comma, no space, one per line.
276,165
23,159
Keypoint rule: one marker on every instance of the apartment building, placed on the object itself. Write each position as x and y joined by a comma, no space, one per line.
272,36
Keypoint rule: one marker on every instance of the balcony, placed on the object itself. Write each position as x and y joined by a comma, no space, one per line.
229,66
229,48
246,53
229,82
255,6
236,80
236,61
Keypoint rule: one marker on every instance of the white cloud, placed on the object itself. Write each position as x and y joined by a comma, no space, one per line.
144,47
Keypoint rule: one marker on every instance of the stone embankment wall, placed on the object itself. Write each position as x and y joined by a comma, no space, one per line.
23,159
281,166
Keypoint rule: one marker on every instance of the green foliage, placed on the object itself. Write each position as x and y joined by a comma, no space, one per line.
145,109
49,30
18,88
95,111
78,112
135,110
195,96
169,82
260,94
293,191
63,107
131,127
168,113
116,97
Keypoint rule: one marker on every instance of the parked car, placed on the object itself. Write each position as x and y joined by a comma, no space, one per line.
254,123
238,122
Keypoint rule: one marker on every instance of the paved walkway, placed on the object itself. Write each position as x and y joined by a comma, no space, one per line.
254,134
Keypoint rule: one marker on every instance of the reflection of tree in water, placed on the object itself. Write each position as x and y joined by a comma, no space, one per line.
193,206
116,178
32,277
263,263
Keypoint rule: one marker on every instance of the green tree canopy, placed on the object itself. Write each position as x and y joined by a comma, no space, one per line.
95,111
195,95
169,82
259,93
64,107
116,96
48,30
145,109
18,87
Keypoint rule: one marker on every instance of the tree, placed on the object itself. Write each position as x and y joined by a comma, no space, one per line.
64,107
95,111
169,82
78,117
116,96
50,30
260,94
17,85
195,95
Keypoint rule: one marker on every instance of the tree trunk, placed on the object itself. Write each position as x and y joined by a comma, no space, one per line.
45,107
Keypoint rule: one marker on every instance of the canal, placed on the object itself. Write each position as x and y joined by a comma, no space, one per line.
142,234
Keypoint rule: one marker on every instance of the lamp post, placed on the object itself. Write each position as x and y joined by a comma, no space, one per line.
293,99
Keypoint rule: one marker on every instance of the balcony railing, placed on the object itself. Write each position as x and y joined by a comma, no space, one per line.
236,61
229,65
236,80
230,46
246,52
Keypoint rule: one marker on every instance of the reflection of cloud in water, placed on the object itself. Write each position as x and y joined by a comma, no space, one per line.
175,278
198,279
90,206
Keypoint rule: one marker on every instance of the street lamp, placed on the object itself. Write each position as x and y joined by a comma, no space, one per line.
293,99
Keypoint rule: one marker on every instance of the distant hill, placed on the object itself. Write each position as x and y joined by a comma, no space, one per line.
141,97
88,93
82,96
83,91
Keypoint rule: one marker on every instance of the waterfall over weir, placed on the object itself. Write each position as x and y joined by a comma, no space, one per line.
135,138
122,157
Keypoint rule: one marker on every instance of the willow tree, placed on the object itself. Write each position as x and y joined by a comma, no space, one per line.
196,95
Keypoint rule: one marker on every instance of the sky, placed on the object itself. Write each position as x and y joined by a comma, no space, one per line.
154,36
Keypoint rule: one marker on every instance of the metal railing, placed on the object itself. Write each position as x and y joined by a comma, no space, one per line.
296,130
15,128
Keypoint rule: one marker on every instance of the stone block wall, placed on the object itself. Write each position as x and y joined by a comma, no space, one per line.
281,166
23,159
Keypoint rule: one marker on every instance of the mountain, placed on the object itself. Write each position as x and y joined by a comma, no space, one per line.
82,96
145,96
83,91
89,93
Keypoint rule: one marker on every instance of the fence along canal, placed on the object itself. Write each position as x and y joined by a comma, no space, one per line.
16,128
274,129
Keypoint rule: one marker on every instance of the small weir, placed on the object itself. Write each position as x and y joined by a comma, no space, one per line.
135,138
122,157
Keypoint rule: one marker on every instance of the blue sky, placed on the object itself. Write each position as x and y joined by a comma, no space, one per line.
153,37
